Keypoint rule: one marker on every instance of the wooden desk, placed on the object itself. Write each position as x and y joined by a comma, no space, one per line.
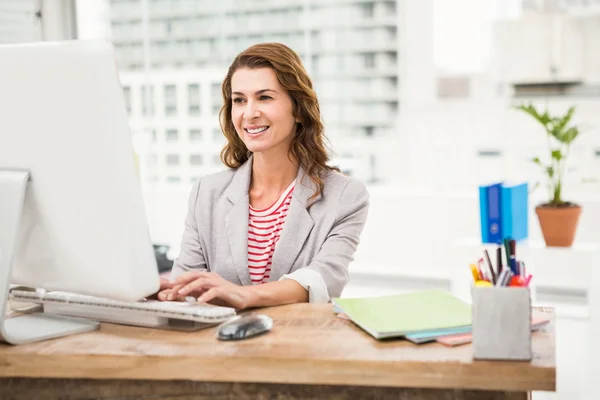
310,354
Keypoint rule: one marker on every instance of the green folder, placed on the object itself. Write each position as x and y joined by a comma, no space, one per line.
402,314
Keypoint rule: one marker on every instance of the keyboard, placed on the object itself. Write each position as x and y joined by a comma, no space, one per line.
149,313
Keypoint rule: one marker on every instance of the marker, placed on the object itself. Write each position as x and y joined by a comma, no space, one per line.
474,272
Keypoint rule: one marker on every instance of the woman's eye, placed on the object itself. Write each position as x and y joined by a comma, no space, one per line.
238,100
264,97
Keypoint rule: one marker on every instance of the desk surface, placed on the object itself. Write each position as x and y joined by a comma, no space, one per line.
308,345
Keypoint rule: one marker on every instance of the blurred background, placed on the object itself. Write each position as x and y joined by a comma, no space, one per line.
417,99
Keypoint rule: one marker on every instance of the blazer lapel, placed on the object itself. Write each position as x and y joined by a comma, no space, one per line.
236,221
298,225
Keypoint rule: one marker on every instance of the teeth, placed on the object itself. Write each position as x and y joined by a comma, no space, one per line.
257,130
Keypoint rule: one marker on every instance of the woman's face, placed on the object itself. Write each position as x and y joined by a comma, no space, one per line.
262,111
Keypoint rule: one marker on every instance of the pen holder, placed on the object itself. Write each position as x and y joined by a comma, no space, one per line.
501,323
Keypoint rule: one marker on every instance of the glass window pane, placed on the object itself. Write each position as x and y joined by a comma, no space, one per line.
195,135
196,159
172,159
172,135
194,99
170,100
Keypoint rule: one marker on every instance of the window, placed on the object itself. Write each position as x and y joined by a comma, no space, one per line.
489,153
195,135
173,179
390,8
127,94
217,135
172,135
216,97
369,59
154,136
367,10
196,159
147,99
193,99
172,159
216,159
170,100
216,109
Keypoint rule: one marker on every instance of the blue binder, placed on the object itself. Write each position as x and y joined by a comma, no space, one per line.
503,212
492,222
514,211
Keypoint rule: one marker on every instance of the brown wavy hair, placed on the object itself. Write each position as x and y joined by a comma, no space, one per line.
308,144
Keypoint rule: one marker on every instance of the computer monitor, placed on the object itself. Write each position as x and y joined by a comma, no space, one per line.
72,216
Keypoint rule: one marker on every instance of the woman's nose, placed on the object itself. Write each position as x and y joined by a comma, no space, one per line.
251,111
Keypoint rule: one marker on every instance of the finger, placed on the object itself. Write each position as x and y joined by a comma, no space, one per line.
163,294
198,284
177,287
189,276
210,295
165,284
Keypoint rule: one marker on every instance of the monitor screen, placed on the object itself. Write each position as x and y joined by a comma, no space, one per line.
63,119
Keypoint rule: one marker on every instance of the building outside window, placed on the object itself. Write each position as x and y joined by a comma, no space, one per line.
367,10
172,135
216,97
127,94
172,159
170,100
147,100
194,99
195,135
196,159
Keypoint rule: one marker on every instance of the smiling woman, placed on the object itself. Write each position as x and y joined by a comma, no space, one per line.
281,225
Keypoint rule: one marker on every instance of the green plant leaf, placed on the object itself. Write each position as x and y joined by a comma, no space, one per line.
570,135
557,155
530,109
562,122
536,160
550,171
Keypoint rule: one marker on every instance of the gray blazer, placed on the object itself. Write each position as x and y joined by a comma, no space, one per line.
321,234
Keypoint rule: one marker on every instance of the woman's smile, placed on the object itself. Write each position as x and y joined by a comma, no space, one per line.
255,130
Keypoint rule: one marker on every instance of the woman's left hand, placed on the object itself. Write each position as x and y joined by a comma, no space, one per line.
208,287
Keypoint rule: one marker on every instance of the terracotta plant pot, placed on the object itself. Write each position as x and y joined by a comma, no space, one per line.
558,224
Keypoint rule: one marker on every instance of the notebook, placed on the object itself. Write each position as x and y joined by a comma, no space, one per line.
402,314
431,336
463,338
148,313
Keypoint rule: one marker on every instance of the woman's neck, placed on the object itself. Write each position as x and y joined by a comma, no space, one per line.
272,173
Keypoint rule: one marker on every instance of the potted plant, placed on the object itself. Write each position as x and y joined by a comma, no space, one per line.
558,218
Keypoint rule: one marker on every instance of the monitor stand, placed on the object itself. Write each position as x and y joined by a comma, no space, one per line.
30,327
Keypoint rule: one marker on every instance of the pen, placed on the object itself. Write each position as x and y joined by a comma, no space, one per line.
512,247
507,251
499,259
513,265
491,266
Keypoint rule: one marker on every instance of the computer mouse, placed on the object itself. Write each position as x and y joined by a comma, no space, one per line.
244,326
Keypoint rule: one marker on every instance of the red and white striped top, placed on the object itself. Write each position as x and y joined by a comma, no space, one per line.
264,228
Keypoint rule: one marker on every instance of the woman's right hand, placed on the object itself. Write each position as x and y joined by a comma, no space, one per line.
165,284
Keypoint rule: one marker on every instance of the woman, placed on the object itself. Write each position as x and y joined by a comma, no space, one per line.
280,226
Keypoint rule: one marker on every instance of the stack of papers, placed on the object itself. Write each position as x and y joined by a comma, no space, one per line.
419,316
